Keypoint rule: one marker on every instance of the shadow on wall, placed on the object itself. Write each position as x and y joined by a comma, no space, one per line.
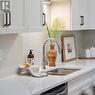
11,50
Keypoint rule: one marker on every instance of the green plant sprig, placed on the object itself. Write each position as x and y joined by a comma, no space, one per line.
47,28
57,26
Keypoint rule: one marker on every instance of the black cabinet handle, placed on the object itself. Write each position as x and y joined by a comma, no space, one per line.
44,19
5,18
8,18
82,20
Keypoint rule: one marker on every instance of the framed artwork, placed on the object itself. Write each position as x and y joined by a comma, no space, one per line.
68,48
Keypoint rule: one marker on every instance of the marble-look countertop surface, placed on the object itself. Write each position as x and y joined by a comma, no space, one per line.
35,86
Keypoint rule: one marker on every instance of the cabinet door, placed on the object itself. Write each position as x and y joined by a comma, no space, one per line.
91,14
75,15
79,17
16,16
47,12
2,20
83,14
33,14
2,17
86,91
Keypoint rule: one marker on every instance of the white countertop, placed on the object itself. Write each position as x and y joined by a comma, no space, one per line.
35,86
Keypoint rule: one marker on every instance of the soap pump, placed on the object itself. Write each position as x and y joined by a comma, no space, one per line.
31,57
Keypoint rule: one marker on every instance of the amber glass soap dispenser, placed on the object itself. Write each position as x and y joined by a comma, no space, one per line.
31,57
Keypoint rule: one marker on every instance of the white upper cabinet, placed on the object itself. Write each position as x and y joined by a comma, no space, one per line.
34,16
75,15
2,28
79,17
3,16
91,14
16,16
83,14
72,12
26,16
12,16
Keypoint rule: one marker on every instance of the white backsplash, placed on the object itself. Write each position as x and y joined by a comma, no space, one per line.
11,47
15,47
33,41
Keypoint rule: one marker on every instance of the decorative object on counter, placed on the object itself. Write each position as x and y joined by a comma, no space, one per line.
29,71
52,54
22,70
31,57
44,61
53,32
87,53
36,74
92,52
68,48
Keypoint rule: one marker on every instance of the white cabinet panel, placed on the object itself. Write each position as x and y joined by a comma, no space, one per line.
80,84
83,8
75,15
91,14
83,12
2,18
22,16
17,10
33,14
12,19
2,28
78,10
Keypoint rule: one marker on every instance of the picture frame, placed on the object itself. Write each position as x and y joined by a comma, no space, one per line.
68,48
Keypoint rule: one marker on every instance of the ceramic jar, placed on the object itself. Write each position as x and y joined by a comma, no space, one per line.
87,53
92,51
